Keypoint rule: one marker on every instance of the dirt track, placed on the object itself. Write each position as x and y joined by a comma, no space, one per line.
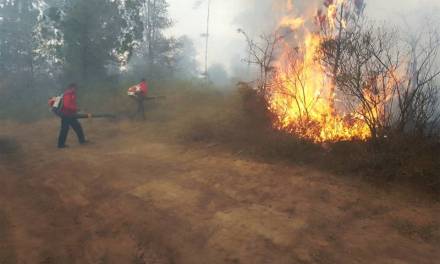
133,199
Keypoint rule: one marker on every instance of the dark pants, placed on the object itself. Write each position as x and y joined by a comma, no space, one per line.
67,122
141,108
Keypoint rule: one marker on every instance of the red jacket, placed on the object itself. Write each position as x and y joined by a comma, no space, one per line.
144,88
69,103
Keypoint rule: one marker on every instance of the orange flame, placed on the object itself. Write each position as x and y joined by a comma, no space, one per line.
289,5
292,23
301,96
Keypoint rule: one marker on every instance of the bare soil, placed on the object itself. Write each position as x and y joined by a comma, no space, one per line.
132,198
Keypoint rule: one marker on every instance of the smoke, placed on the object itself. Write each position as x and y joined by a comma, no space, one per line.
197,4
258,17
262,16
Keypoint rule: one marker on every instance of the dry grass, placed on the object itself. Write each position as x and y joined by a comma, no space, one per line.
237,121
428,232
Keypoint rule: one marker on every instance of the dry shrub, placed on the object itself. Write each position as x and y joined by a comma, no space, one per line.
10,149
345,157
428,232
392,161
412,160
237,120
253,106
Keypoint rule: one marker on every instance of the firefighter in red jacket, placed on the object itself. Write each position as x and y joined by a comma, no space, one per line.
68,117
139,92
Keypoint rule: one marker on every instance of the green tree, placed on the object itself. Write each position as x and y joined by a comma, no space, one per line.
92,32
18,21
156,53
101,34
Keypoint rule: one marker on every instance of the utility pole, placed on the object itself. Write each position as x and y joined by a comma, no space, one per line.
207,42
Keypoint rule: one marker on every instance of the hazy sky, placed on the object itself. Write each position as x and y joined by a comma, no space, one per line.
227,46
192,22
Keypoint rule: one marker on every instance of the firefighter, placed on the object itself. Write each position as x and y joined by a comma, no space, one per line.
139,93
68,117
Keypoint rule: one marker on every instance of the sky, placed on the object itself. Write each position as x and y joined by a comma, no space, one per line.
227,47
223,34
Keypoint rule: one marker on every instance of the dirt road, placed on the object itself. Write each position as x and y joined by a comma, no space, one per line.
133,199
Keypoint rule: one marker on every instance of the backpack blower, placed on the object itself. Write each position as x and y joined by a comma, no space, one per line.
56,105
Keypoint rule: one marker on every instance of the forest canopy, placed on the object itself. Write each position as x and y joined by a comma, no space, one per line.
45,44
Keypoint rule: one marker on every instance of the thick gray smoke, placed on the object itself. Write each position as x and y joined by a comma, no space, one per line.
408,16
227,47
263,16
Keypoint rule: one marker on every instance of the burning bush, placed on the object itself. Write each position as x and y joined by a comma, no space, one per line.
334,76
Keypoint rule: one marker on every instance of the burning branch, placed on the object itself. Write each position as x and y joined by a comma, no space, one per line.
305,71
